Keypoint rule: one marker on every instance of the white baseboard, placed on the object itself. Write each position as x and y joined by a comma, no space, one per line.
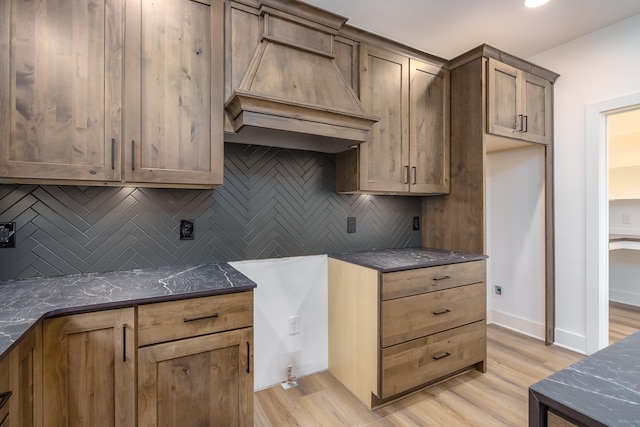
570,341
518,324
624,297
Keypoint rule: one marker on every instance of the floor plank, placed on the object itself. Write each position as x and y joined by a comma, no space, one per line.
497,398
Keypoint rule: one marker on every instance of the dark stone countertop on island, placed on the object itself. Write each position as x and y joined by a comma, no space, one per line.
24,302
390,260
600,390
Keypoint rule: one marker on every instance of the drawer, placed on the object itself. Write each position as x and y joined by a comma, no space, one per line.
420,280
416,363
168,321
417,316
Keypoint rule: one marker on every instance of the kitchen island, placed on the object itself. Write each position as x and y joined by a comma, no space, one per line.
403,319
128,348
600,390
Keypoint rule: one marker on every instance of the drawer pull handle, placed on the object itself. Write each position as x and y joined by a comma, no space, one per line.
193,319
438,313
441,278
447,354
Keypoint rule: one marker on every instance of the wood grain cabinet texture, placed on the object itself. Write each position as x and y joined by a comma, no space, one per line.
408,149
25,377
5,391
198,365
518,104
89,369
393,333
112,91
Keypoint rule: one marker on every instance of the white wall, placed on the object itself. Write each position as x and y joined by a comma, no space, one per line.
516,239
286,287
599,66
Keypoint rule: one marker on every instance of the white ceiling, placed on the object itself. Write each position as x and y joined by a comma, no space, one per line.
448,28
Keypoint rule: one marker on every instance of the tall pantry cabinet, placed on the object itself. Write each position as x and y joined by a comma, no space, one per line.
493,96
105,92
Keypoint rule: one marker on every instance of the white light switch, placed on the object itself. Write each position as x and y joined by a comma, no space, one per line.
626,218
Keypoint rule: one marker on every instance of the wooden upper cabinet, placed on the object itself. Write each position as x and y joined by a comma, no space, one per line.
429,128
384,159
408,149
518,104
89,369
174,92
60,89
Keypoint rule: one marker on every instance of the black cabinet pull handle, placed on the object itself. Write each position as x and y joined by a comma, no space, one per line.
193,319
520,121
526,124
4,398
415,174
406,174
248,357
442,356
133,155
438,313
113,153
124,342
441,278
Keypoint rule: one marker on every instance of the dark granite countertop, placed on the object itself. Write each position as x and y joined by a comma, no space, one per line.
389,260
24,302
602,389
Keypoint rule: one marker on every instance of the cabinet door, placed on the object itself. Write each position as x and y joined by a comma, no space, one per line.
4,389
207,380
429,128
384,159
25,372
61,80
536,110
174,88
503,100
88,369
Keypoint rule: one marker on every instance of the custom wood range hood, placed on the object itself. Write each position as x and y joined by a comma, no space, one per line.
294,85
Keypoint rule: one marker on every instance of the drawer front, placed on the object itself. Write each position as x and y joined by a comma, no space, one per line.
429,279
174,320
416,363
417,316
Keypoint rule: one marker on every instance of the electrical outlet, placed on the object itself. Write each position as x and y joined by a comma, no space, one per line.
416,223
497,289
7,235
187,228
626,218
294,324
351,224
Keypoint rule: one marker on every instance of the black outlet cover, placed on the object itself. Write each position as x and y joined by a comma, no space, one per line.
416,223
351,224
186,229
7,235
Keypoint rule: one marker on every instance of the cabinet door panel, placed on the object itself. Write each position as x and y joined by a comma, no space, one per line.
174,92
503,100
429,132
4,388
384,158
205,380
88,364
62,78
537,109
25,367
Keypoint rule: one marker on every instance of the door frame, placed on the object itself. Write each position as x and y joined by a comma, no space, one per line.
597,218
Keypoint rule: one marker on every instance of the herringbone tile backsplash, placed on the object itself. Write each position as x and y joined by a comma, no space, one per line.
274,203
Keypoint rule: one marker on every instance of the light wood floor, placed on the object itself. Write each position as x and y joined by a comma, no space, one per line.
497,398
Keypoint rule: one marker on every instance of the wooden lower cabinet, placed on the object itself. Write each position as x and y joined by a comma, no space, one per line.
5,392
393,333
207,380
25,378
89,369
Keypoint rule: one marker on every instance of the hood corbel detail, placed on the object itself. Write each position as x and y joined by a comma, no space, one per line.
293,83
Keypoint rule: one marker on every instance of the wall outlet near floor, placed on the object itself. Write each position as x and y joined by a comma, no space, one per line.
497,289
294,324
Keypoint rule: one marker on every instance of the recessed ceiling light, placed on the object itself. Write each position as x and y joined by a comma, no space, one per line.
534,3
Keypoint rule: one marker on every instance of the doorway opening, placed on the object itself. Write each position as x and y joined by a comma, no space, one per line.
597,217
